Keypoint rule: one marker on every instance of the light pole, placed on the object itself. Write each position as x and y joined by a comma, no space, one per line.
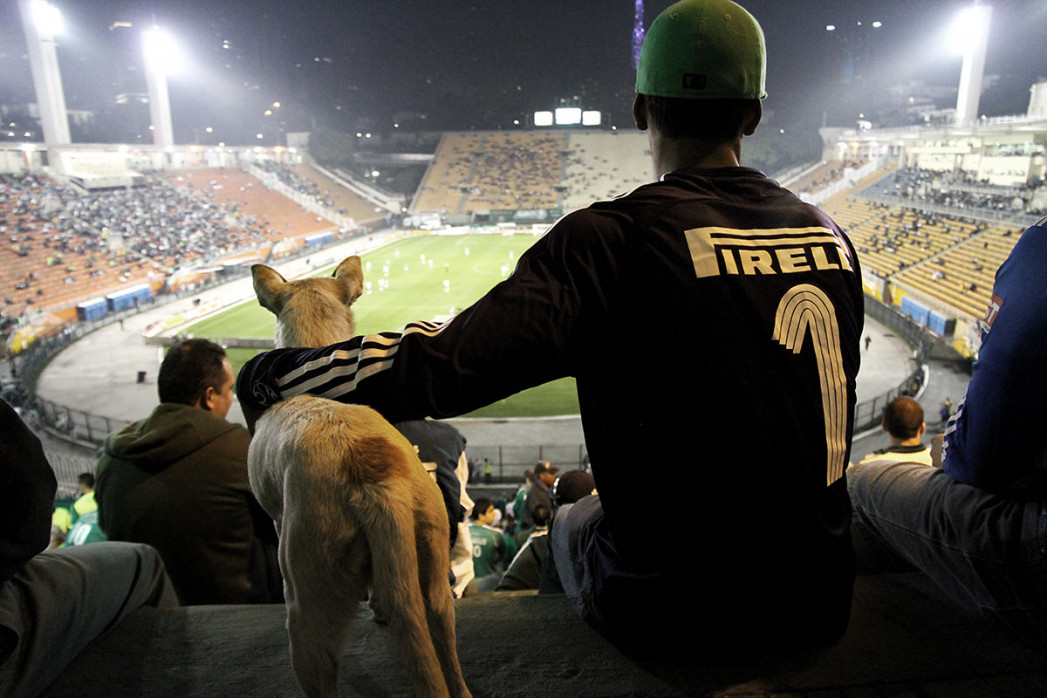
972,35
161,59
41,22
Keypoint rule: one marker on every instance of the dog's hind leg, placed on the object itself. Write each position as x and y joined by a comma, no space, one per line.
322,603
396,584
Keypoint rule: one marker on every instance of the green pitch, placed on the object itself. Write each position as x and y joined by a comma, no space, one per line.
427,277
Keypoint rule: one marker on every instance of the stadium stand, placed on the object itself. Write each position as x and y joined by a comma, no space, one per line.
341,198
603,165
820,177
482,172
947,260
263,212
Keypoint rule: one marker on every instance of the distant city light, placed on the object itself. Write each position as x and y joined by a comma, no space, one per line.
877,25
830,27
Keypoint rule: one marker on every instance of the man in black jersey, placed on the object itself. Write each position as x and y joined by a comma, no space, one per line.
712,321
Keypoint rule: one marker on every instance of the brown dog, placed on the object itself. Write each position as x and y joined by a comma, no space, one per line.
354,507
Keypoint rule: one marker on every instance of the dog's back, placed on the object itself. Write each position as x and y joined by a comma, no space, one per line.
355,509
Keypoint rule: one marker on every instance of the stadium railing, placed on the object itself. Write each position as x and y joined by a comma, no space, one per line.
508,462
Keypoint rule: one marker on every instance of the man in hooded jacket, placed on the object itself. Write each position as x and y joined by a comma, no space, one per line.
177,480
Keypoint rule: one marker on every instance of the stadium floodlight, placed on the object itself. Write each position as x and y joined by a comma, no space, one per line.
47,19
966,28
543,118
41,22
161,59
568,116
970,36
161,52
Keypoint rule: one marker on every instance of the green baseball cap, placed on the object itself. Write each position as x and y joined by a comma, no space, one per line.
703,49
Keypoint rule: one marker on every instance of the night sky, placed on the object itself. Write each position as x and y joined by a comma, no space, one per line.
370,64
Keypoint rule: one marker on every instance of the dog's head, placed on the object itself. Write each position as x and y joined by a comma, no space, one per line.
313,312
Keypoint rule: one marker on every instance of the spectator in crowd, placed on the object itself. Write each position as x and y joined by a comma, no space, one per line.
441,449
64,518
713,323
540,495
530,565
85,485
56,602
945,410
491,554
903,421
976,526
177,480
516,507
525,570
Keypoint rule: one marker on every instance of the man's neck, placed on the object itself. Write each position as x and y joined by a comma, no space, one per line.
673,154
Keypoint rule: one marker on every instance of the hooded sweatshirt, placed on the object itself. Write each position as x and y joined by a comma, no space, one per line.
177,481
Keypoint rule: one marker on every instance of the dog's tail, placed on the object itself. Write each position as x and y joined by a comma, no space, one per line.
398,590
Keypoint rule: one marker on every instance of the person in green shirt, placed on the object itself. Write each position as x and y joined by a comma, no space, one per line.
490,552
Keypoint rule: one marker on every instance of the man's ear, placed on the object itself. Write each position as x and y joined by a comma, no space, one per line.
752,118
206,399
640,112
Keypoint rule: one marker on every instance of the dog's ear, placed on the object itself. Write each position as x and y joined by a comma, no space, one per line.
267,285
350,274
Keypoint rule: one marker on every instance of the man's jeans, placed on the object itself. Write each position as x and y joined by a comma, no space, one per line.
986,552
570,549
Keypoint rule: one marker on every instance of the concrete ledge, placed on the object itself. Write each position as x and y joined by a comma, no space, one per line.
905,638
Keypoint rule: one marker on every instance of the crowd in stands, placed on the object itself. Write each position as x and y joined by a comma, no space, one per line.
948,260
823,176
60,244
603,166
494,171
289,177
959,190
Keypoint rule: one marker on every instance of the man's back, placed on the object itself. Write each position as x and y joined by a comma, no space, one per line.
178,481
728,366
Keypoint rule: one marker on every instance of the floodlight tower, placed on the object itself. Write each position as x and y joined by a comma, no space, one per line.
41,22
161,60
972,34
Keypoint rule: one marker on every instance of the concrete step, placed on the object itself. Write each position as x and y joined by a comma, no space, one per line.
905,639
